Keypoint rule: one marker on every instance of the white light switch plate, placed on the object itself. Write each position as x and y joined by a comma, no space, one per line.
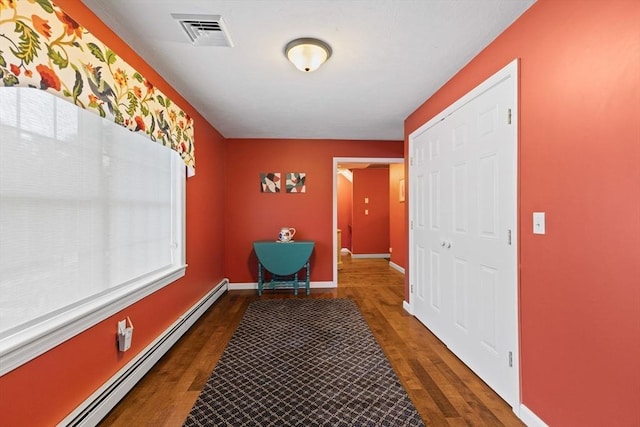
538,223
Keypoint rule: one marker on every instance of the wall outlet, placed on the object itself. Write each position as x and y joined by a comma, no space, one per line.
390,250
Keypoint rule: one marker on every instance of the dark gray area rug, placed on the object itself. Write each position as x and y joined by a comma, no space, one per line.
303,362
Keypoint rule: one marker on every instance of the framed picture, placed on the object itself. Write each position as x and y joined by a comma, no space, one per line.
296,182
401,190
270,182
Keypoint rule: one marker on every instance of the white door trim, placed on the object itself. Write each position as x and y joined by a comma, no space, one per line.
336,161
509,71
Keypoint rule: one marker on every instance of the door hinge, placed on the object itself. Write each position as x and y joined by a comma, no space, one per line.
412,224
509,116
411,161
412,288
509,237
511,359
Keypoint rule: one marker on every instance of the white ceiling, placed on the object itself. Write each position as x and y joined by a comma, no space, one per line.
389,56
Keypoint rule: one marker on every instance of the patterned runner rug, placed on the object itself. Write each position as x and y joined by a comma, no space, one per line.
303,362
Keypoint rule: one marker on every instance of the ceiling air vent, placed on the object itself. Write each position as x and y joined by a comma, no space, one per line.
204,30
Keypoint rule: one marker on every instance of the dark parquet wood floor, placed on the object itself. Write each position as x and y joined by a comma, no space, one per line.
444,391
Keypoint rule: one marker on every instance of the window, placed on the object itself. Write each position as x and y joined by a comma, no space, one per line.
91,220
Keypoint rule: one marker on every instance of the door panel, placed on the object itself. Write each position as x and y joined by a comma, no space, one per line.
434,200
487,196
434,282
461,198
487,300
461,301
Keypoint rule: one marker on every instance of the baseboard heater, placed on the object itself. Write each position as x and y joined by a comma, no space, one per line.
94,408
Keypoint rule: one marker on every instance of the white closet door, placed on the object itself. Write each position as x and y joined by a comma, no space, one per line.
430,184
463,181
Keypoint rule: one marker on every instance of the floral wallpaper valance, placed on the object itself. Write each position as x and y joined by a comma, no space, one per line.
43,47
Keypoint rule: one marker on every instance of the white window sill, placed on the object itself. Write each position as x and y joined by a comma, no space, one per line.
35,340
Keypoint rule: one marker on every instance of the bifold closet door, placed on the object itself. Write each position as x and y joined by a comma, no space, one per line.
463,182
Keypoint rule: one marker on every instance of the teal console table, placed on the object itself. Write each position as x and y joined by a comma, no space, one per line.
284,261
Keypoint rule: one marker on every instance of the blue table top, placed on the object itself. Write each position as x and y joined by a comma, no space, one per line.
283,258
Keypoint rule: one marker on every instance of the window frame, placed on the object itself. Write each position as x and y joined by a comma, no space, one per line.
32,339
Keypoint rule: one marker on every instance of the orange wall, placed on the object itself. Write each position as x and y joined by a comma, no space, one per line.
251,215
345,209
371,230
579,162
46,389
397,218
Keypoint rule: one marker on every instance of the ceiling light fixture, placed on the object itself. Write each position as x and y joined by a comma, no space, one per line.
307,54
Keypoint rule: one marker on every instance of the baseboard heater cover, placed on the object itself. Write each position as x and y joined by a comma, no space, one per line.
354,256
98,405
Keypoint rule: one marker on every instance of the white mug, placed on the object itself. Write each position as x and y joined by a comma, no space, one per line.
286,234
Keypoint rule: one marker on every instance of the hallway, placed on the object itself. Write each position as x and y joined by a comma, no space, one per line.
444,391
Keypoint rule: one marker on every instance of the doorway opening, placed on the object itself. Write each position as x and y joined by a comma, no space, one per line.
341,163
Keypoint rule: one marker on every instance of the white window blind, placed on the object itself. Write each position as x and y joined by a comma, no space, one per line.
90,213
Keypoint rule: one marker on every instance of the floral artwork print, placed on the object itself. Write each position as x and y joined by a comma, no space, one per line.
44,48
270,182
296,182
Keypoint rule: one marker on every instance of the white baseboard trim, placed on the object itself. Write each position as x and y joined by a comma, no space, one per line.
396,267
529,418
96,406
345,251
254,286
407,307
370,255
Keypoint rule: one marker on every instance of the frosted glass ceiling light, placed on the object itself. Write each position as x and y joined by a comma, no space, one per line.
307,54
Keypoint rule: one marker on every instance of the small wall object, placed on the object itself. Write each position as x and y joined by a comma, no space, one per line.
296,182
270,182
125,334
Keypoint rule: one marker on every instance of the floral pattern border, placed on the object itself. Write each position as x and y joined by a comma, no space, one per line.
44,48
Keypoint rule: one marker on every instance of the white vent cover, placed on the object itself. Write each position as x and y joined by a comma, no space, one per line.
204,30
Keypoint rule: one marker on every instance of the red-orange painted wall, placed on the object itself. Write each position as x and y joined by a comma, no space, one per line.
251,215
397,218
45,390
579,162
345,209
370,230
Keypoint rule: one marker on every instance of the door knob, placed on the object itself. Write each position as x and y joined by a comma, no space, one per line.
449,245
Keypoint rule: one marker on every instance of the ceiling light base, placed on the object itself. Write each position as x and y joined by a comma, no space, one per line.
307,54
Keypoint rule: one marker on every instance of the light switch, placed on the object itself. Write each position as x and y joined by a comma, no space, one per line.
366,200
366,211
538,223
